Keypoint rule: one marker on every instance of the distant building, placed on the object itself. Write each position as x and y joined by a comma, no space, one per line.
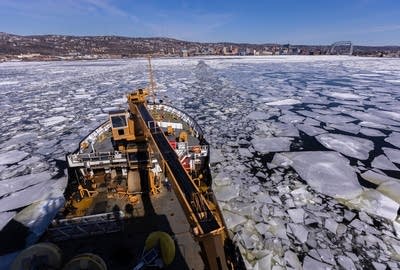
184,53
234,50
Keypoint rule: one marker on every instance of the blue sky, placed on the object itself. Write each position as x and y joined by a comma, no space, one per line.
364,22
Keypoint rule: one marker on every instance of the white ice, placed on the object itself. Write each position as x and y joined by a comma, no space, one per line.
374,202
372,132
392,154
345,95
348,145
311,130
282,102
54,120
296,215
382,162
33,194
256,115
273,144
348,127
15,184
12,156
394,139
326,172
38,215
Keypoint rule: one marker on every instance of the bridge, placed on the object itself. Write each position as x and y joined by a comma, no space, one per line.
340,44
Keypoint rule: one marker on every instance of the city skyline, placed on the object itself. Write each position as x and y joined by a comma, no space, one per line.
364,22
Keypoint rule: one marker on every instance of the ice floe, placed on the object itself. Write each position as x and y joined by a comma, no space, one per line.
392,154
311,130
345,95
12,156
382,162
273,144
394,139
16,184
326,172
348,145
282,102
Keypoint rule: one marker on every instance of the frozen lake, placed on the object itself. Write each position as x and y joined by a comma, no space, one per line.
306,149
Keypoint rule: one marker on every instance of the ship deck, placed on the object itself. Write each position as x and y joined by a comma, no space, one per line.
122,249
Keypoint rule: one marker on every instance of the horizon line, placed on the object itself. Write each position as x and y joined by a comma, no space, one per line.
210,42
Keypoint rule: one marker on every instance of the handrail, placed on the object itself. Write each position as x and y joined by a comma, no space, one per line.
181,114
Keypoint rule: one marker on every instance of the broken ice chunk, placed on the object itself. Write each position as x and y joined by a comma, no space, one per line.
391,189
310,263
345,95
297,215
299,231
326,172
281,161
277,228
54,120
311,130
379,266
394,139
348,145
292,260
392,154
372,125
15,184
232,219
274,144
285,130
374,202
282,102
38,215
346,262
216,156
244,152
25,197
382,162
256,115
348,127
254,188
262,228
364,217
376,178
326,255
372,132
265,263
331,225
12,156
226,193
222,179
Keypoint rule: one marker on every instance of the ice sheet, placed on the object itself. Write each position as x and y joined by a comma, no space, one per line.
282,102
394,139
326,172
382,162
18,183
12,156
348,145
273,144
392,154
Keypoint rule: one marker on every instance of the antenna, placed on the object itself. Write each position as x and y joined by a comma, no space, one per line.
151,81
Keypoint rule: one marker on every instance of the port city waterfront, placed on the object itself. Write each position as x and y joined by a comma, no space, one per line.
305,149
